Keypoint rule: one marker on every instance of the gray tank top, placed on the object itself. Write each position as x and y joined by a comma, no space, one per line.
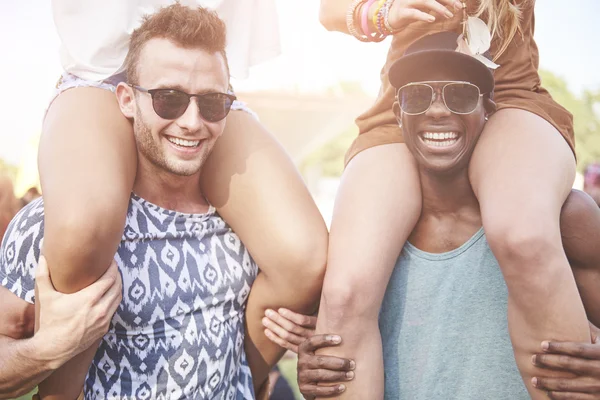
444,327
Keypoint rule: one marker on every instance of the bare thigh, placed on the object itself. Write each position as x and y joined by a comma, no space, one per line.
521,165
87,163
255,186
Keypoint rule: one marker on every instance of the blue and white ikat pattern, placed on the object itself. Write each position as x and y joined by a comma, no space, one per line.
179,331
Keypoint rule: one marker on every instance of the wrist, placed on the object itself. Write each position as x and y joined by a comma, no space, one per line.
42,353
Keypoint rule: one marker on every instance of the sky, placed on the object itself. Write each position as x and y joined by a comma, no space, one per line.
312,59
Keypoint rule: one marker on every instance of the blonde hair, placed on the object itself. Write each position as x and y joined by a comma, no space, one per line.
504,20
187,27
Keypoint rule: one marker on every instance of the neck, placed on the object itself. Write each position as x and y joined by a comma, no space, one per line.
167,190
450,213
447,194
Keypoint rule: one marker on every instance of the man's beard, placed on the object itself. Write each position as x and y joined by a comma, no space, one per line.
151,150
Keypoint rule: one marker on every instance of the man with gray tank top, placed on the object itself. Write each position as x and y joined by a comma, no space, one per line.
443,319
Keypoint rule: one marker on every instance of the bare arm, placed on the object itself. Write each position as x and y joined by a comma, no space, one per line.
273,292
580,230
18,316
68,325
21,366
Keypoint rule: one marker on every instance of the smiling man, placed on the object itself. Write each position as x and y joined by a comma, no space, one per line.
443,320
179,332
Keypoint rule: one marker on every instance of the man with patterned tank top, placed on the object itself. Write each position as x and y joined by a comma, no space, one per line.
180,331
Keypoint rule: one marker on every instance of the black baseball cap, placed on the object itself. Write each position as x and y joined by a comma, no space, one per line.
438,52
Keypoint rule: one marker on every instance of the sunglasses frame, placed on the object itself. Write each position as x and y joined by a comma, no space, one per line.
434,93
152,92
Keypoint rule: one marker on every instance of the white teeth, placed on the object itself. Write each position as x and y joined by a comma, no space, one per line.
440,135
438,143
184,143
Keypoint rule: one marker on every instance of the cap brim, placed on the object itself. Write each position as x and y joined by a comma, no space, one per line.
422,66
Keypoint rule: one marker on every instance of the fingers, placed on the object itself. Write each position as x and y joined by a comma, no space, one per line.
318,342
434,6
579,366
289,325
314,362
42,275
109,279
282,333
311,389
412,14
572,396
582,350
324,375
307,321
573,385
281,342
111,299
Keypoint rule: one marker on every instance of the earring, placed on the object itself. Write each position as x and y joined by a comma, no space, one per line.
486,118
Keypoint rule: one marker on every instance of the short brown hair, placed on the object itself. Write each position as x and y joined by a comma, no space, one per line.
187,27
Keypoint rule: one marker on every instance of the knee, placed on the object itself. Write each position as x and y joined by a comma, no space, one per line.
349,304
305,259
523,247
80,244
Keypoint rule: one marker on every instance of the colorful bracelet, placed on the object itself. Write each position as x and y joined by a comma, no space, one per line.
376,17
351,17
373,36
386,17
364,19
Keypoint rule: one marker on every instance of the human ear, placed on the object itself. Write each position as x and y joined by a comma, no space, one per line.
489,105
126,99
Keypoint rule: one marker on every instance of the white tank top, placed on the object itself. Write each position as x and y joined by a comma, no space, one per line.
95,34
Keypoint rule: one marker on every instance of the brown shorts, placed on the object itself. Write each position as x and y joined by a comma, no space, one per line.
542,106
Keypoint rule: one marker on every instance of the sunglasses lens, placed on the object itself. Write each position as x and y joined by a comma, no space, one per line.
461,98
415,99
214,106
170,104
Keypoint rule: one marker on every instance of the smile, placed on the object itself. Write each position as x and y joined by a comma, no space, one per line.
183,142
439,139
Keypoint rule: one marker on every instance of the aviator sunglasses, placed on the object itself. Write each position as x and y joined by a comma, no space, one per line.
459,97
172,103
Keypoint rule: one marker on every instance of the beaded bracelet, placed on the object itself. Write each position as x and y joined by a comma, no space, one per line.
386,15
373,36
377,17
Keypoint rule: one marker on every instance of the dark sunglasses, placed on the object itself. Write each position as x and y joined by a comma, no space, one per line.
459,97
172,103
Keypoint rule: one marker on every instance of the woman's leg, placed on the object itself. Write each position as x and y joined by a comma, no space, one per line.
522,171
87,163
377,206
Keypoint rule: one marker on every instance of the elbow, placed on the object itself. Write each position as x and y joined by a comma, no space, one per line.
300,276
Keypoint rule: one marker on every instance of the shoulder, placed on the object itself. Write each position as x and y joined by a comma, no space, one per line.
29,221
21,248
580,228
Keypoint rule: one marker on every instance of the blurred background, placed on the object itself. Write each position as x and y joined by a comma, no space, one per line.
308,97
